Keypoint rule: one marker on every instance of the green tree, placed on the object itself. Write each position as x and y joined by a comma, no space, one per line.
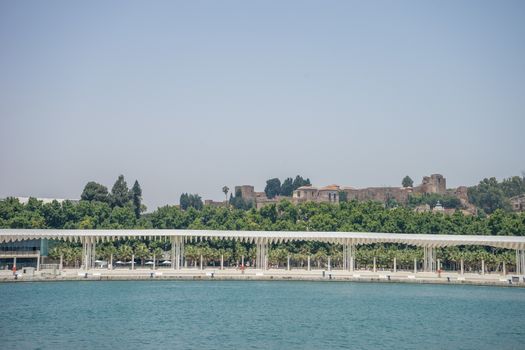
299,181
196,201
273,188
190,201
122,218
106,250
287,187
240,203
124,252
407,182
120,195
488,195
513,186
136,197
95,192
141,252
184,201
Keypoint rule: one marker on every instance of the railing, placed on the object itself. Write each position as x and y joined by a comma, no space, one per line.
20,253
49,266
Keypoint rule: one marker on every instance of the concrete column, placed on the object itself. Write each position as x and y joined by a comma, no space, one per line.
395,264
133,261
415,265
375,265
38,262
14,261
425,259
308,262
504,269
154,260
433,261
462,266
242,260
182,251
94,252
61,262
88,255
429,262
520,262
174,262
222,261
110,266
329,264
258,248
288,263
351,257
482,266
261,261
258,257
438,264
84,253
345,257
201,261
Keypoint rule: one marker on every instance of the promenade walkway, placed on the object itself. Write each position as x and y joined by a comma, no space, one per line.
263,239
445,277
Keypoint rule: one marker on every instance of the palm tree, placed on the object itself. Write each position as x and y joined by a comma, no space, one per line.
226,189
278,255
225,255
157,254
141,252
106,250
320,256
124,252
240,251
191,253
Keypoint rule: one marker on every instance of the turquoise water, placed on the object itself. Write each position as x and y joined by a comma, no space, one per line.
259,315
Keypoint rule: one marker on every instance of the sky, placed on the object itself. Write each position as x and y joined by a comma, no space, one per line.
189,96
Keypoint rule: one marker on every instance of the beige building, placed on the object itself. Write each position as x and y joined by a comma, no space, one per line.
327,194
518,203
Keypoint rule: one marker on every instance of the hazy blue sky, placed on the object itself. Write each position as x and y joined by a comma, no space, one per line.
190,96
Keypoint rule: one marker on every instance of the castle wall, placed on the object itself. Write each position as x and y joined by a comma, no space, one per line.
379,194
247,192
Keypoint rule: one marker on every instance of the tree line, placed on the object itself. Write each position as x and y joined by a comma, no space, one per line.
120,195
490,195
284,216
122,209
275,188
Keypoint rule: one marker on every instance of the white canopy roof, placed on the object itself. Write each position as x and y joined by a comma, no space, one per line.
423,240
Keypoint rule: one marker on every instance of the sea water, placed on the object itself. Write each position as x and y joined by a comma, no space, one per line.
259,315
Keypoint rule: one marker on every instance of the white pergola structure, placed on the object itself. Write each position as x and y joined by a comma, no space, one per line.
262,239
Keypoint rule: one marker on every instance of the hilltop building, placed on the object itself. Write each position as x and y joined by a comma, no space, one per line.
327,194
518,203
435,183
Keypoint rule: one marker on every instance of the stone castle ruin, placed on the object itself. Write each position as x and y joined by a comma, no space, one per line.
433,184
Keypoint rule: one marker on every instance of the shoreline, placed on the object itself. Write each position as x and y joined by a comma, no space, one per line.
446,278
